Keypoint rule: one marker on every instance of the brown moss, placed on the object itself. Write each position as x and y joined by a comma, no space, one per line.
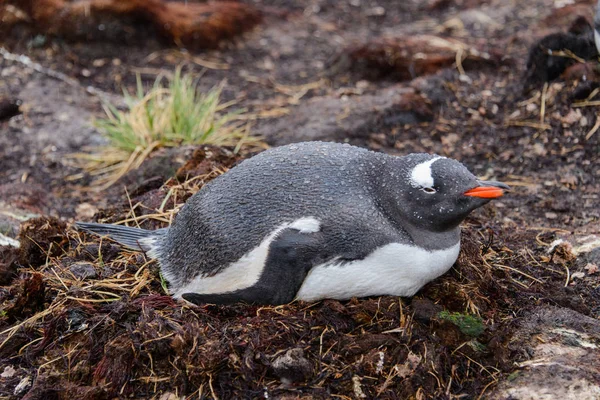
8,264
407,57
193,25
206,159
114,369
25,298
42,238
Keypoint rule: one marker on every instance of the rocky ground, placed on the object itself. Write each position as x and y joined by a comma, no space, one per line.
517,317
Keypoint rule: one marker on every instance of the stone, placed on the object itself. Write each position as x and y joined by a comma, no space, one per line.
83,270
564,358
292,366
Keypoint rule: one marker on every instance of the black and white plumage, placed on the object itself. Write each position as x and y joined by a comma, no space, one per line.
314,220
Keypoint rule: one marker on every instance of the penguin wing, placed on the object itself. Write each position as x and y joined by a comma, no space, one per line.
291,254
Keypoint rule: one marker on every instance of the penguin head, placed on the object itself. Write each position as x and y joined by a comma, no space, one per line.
442,192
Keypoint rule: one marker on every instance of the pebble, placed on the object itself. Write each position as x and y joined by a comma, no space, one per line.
83,270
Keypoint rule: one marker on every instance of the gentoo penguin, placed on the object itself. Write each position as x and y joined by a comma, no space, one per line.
314,220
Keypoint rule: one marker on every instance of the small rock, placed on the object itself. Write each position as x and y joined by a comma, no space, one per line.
577,275
465,78
83,270
362,84
292,366
573,116
8,241
564,358
539,149
99,62
591,268
531,107
85,211
8,372
375,12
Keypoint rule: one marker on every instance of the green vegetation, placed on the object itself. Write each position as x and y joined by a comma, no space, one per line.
168,115
470,325
163,283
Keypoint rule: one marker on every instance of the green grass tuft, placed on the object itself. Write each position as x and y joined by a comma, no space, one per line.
470,325
167,115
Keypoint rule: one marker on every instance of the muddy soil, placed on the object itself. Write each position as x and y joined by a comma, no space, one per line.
79,317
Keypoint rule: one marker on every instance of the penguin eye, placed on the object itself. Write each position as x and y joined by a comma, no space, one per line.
429,190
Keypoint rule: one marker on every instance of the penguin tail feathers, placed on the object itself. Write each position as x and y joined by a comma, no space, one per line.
134,238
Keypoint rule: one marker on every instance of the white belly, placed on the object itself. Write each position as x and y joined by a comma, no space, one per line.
394,269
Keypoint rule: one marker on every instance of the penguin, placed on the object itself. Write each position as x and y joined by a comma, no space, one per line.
311,221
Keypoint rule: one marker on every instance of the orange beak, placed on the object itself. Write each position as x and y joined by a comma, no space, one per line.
488,190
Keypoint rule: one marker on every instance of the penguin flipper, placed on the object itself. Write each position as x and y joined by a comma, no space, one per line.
291,255
134,238
250,295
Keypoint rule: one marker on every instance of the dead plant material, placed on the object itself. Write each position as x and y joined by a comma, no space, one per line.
25,298
115,367
8,264
192,25
42,238
130,340
204,160
116,334
553,54
407,57
49,386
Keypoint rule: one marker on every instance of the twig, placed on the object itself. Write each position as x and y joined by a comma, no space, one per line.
158,338
486,388
212,390
565,53
593,94
506,267
531,124
593,103
56,359
568,275
543,103
459,66
530,100
594,129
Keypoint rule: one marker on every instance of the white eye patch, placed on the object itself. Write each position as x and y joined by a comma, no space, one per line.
421,175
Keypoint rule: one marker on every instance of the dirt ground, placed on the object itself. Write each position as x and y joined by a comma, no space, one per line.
80,317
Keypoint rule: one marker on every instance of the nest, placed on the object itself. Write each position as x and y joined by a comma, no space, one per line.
82,317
